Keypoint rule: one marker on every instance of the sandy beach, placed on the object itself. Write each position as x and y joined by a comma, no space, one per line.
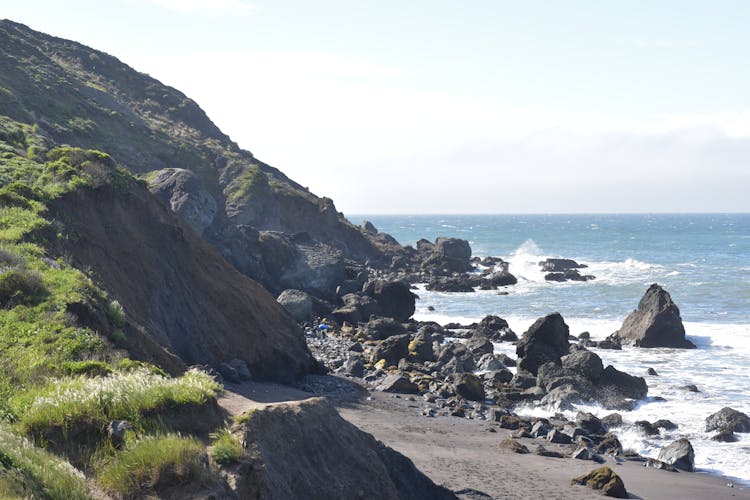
464,456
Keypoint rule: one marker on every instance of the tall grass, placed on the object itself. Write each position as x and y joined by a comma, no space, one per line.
29,472
226,448
119,396
152,463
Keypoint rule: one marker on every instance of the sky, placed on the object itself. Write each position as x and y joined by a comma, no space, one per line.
456,107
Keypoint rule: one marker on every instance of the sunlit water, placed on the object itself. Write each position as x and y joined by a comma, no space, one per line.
702,260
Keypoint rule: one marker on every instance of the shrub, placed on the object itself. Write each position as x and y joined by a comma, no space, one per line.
36,473
127,364
89,368
116,314
154,463
20,286
118,336
227,448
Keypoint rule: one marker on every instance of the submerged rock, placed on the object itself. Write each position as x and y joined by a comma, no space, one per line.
655,323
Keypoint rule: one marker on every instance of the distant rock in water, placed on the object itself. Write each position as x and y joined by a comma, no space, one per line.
560,265
656,322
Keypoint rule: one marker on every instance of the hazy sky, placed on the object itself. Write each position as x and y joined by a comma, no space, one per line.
457,107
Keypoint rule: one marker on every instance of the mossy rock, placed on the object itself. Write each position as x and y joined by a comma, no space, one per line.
605,480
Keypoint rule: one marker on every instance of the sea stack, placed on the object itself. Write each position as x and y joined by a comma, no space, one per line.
656,322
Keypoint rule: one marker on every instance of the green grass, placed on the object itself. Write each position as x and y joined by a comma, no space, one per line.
70,401
151,463
246,185
226,448
29,472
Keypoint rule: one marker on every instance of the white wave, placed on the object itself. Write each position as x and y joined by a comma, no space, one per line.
524,262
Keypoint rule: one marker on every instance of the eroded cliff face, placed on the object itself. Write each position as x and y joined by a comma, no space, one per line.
176,286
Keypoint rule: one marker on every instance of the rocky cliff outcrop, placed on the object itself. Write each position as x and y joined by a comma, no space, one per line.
655,323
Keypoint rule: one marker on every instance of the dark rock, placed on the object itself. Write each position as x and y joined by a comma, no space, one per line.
489,362
655,323
605,480
556,265
422,346
356,347
541,428
590,423
584,336
399,384
609,445
394,298
382,328
622,383
690,388
241,369
658,464
497,329
500,278
228,373
646,428
523,381
511,422
513,446
679,454
297,303
545,341
392,350
365,306
454,254
582,453
555,436
725,436
569,275
456,358
506,360
612,420
610,342
667,425
185,194
498,377
468,386
728,419
586,363
354,366
544,452
458,284
479,344
652,372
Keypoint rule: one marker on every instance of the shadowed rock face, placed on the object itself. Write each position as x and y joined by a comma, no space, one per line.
545,341
306,450
655,323
175,286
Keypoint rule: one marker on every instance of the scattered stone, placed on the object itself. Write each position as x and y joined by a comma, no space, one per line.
679,454
468,386
605,480
658,464
655,323
398,384
513,446
582,453
544,452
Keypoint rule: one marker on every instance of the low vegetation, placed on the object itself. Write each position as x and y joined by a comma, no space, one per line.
69,401
155,462
29,472
227,447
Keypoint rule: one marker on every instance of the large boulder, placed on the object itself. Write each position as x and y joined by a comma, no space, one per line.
679,454
454,252
613,382
306,450
392,350
497,329
545,341
297,303
394,298
469,386
585,363
479,344
357,308
382,328
728,419
655,323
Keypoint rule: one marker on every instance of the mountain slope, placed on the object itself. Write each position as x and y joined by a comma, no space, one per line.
85,98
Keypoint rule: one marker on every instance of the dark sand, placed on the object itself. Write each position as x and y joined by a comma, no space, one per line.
463,454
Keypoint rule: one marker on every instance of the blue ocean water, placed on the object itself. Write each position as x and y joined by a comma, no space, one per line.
703,260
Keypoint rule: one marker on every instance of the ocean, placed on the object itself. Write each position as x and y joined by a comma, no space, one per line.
703,260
